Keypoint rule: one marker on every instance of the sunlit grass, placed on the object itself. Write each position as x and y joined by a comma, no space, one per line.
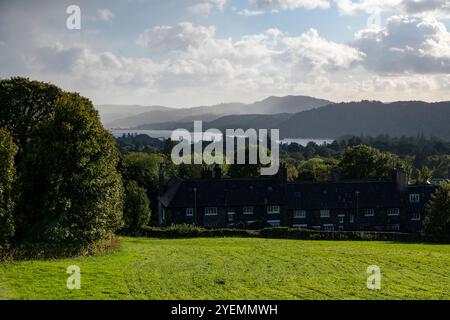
238,268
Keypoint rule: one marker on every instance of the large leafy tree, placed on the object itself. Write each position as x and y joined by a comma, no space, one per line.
7,176
364,162
437,221
68,187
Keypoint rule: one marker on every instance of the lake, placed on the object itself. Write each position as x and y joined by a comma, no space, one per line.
164,134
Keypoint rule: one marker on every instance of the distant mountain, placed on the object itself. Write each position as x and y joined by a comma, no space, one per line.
271,105
266,121
372,118
112,112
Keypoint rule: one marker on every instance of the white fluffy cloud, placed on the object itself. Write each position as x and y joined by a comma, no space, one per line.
291,4
206,7
250,13
435,8
406,45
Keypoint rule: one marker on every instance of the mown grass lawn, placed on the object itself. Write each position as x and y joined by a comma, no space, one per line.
238,268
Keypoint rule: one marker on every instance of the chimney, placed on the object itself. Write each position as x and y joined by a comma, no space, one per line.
399,177
161,178
217,172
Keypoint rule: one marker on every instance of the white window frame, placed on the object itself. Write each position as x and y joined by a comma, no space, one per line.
415,216
248,212
393,211
328,227
300,225
211,211
414,198
394,227
299,214
274,223
369,212
189,212
341,218
325,213
352,218
273,209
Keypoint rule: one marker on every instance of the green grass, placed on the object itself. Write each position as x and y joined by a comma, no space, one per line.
238,268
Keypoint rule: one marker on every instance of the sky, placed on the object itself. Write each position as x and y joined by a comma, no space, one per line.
202,52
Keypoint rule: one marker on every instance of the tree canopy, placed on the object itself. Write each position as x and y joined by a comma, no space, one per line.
7,177
68,187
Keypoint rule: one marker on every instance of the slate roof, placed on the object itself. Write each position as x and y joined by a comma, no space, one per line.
265,190
342,195
225,192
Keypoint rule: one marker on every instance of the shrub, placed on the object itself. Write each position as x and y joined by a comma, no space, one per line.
136,208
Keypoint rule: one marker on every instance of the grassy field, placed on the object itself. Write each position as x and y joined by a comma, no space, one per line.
237,268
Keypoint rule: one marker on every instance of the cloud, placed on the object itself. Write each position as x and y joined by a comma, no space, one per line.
291,4
406,45
104,15
436,8
206,7
250,13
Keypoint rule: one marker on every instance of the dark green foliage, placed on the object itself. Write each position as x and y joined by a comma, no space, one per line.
363,162
144,169
69,190
191,231
136,207
437,220
7,177
316,169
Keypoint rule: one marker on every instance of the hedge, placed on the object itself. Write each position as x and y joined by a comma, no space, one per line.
190,231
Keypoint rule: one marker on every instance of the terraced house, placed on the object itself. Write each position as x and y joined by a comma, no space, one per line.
213,201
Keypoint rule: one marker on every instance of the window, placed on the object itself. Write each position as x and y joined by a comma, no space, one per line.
341,218
298,225
415,216
274,223
297,194
414,198
328,227
248,210
352,218
231,215
393,211
211,211
369,212
299,214
269,189
324,213
394,227
189,212
273,209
